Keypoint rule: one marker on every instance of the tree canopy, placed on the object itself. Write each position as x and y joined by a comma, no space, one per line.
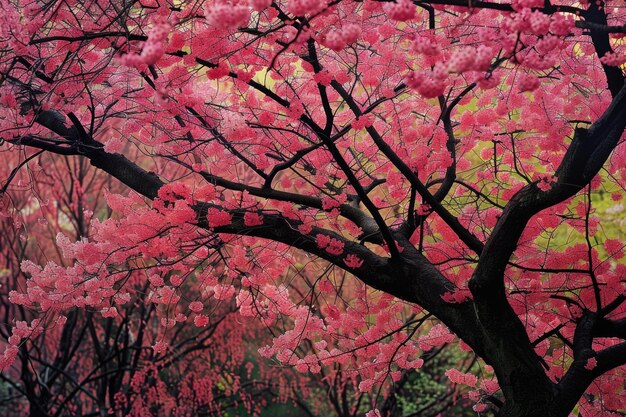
357,184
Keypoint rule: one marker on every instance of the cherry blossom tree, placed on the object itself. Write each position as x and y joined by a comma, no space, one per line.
343,171
89,362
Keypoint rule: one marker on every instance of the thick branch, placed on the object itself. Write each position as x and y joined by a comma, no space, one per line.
582,372
410,277
357,216
595,17
585,156
144,182
610,328
518,368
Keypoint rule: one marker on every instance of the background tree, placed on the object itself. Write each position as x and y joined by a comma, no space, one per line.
433,150
92,362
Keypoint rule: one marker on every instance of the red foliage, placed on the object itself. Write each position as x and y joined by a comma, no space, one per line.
338,172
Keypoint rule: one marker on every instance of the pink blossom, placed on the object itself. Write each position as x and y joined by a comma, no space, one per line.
181,213
461,378
426,45
174,191
351,32
613,59
456,297
438,335
366,385
329,203
303,7
252,219
113,145
461,60
527,82
153,48
335,247
226,16
224,292
201,320
222,70
295,109
427,83
334,40
614,248
305,228
546,182
591,364
482,58
423,209
302,366
217,217
260,5
160,347
353,261
326,286
205,192
167,322
156,280
539,23
489,386
196,306
176,280
561,24
322,240
323,77
518,5
9,356
401,10
337,39
363,122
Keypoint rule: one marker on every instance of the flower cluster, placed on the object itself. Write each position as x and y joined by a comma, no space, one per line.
227,16
546,182
401,10
337,39
153,48
331,245
428,84
217,217
527,82
470,59
304,7
459,377
613,59
260,5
